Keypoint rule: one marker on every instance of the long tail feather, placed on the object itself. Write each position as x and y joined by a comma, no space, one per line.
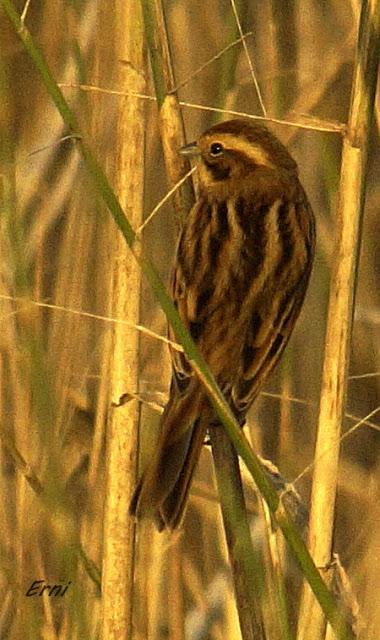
172,510
163,488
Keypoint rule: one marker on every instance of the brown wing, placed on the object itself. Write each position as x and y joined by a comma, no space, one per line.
260,356
240,278
269,332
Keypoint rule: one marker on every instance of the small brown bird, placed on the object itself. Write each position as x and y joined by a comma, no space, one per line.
242,267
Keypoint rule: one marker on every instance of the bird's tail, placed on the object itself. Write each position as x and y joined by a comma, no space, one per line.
163,488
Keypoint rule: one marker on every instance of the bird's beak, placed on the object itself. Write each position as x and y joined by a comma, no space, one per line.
190,150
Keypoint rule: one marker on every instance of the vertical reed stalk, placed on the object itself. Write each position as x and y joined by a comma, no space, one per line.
341,305
225,95
170,118
229,482
122,439
284,25
245,566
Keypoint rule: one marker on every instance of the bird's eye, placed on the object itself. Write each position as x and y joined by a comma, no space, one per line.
216,149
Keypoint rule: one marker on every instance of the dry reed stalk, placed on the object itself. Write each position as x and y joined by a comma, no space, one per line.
226,90
172,134
170,118
225,457
154,550
123,423
284,32
340,313
16,434
176,599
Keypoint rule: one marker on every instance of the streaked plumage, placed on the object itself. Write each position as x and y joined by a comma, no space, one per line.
242,267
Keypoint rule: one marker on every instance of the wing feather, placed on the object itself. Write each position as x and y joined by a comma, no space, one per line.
264,294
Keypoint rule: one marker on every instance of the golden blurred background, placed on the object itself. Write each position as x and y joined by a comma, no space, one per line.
57,255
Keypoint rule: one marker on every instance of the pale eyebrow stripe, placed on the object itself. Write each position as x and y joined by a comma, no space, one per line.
252,151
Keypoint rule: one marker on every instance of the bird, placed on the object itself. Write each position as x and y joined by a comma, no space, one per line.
241,271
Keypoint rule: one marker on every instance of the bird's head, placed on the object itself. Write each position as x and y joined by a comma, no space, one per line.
232,151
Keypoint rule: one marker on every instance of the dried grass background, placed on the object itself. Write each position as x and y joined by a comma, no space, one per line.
57,252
